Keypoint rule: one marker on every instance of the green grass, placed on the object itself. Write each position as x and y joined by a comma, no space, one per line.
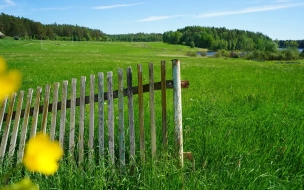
243,120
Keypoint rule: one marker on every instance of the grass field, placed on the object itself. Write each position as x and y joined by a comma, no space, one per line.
243,120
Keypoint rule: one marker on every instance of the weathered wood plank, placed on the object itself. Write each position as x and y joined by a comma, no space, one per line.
45,108
24,126
16,124
91,122
63,112
121,119
72,116
81,119
141,114
2,115
36,112
177,98
111,118
164,107
101,113
54,111
131,114
7,125
152,110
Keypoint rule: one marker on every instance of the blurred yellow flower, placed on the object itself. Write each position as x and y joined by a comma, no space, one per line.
9,81
24,184
42,154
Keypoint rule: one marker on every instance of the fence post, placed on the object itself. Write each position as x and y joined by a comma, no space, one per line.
178,124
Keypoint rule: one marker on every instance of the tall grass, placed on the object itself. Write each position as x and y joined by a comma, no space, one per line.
243,120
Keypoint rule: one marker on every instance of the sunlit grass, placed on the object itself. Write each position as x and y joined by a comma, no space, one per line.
243,120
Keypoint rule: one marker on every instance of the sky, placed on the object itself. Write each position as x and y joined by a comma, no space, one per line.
278,19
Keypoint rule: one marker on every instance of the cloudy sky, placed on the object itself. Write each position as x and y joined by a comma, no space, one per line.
278,19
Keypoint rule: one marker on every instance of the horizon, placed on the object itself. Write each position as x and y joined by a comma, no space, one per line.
276,19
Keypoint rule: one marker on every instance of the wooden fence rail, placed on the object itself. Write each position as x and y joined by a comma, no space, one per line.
21,131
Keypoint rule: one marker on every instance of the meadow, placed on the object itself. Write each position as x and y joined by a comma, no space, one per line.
243,120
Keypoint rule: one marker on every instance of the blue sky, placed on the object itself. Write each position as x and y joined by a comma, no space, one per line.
278,19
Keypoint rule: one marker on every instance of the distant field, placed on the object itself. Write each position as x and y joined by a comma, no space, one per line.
243,120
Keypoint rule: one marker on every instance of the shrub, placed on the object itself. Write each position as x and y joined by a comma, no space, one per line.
202,53
191,53
222,53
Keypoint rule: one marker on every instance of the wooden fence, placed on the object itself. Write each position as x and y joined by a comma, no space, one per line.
21,132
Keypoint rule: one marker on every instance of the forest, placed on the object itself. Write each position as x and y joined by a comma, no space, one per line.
222,38
27,29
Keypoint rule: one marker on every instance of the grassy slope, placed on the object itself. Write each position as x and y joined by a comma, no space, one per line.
243,120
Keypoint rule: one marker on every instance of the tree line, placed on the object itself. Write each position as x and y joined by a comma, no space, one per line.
219,38
288,43
28,29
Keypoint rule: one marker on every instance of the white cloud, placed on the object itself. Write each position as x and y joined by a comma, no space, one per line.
155,18
250,10
116,6
7,3
52,9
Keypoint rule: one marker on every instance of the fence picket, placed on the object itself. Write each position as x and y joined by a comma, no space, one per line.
101,113
7,125
81,119
110,118
164,107
72,116
131,114
141,114
63,112
54,111
177,110
2,111
91,124
45,108
24,126
121,119
152,110
36,112
16,124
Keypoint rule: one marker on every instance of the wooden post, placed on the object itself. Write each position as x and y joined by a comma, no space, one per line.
101,113
164,107
72,116
54,111
16,124
7,125
141,113
81,119
24,126
111,118
2,111
131,114
45,108
152,110
91,124
178,124
121,127
36,112
63,112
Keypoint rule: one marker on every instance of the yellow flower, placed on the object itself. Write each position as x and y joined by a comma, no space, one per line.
24,184
9,81
42,154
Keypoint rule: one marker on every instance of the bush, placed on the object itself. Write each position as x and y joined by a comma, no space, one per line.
191,53
222,53
202,53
